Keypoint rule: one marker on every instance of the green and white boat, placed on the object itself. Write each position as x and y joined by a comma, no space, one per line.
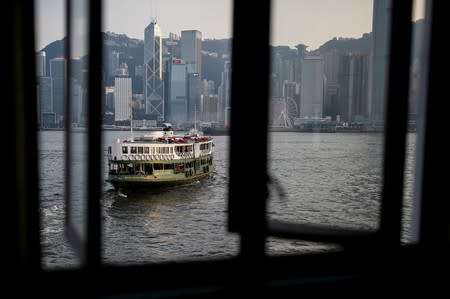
159,158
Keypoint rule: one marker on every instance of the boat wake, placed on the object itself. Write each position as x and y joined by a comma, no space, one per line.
122,194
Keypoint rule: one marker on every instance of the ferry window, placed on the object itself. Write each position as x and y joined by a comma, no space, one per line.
140,150
146,150
124,149
133,149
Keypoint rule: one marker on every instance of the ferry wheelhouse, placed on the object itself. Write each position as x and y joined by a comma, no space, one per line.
160,158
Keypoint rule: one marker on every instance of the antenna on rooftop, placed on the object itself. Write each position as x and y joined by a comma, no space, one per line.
153,11
131,122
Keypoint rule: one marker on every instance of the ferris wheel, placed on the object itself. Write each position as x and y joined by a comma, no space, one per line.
286,110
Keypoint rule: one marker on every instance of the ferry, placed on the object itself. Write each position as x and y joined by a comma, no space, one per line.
160,158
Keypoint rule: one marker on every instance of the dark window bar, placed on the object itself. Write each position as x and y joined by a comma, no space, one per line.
435,198
250,67
71,234
88,250
95,150
248,194
396,122
21,108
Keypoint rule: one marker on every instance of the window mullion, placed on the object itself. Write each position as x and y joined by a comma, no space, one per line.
396,122
95,136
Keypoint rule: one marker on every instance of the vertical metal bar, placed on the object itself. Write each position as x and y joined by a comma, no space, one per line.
26,158
67,127
11,236
95,153
30,142
435,197
420,127
248,131
396,122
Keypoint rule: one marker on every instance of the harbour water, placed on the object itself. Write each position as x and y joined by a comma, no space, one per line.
324,178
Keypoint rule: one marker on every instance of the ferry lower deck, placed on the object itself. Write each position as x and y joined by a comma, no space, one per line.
147,173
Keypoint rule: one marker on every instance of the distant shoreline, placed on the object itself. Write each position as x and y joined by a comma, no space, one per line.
226,132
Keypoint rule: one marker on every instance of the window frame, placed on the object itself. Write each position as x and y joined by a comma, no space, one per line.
358,265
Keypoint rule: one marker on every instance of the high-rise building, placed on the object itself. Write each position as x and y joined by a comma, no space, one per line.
114,60
122,94
46,116
224,94
178,95
353,103
76,103
40,64
209,108
311,103
154,86
331,65
208,87
191,50
58,74
109,98
171,46
332,71
194,91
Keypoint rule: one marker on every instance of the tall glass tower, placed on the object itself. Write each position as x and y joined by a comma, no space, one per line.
191,50
154,85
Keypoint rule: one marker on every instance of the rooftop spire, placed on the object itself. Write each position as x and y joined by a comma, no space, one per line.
153,11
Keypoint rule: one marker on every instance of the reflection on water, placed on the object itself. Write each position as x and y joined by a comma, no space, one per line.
167,224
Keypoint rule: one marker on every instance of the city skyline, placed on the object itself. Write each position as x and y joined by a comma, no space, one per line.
293,22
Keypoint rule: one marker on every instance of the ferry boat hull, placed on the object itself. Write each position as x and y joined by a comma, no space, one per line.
158,178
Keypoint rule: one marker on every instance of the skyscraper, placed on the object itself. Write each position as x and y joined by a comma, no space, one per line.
122,94
178,100
191,50
224,94
194,91
46,116
154,86
353,87
311,104
58,74
40,64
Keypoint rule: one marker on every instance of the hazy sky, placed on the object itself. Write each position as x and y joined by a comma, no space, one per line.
311,22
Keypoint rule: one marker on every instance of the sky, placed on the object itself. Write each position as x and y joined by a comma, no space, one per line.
310,22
